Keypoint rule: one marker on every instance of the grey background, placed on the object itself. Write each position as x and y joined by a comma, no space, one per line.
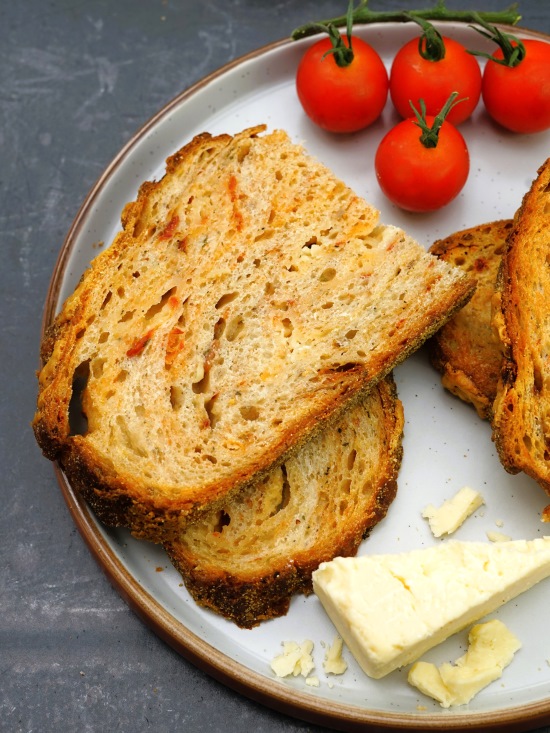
77,79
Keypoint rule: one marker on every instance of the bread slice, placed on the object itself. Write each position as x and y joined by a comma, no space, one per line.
467,350
521,413
250,299
248,558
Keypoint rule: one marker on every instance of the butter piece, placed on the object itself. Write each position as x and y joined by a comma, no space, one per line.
453,512
390,609
334,662
296,659
491,648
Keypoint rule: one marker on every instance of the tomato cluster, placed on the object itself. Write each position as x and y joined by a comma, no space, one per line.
343,86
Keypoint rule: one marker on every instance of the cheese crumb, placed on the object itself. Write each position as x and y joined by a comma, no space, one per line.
312,681
491,648
295,659
334,662
497,536
447,518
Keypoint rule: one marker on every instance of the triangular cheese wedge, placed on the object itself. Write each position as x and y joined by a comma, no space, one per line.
390,609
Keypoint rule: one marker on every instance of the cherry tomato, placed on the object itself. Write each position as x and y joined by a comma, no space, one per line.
413,77
518,97
342,98
419,178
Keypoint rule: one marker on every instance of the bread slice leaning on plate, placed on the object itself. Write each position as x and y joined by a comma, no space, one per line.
467,350
521,419
246,559
249,300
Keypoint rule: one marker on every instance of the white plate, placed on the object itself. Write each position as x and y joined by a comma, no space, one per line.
446,446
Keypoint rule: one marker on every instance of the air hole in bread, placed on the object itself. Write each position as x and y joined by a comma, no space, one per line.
257,262
310,242
243,151
269,289
351,334
327,305
157,307
250,412
176,397
225,299
127,316
80,333
527,442
347,298
106,300
209,458
140,410
103,337
345,485
78,423
284,497
202,386
120,292
121,376
352,455
136,274
96,367
209,408
345,367
234,328
266,234
223,521
281,305
288,327
538,380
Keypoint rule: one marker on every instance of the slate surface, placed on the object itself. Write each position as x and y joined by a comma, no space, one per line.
77,79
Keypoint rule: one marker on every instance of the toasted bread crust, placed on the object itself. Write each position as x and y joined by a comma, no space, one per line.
186,400
467,350
521,421
251,574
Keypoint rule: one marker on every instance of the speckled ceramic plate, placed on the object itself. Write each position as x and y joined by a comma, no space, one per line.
446,445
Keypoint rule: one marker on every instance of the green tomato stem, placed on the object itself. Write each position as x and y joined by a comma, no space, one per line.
513,50
431,46
430,135
362,14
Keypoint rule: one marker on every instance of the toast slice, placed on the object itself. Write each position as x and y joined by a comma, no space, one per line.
249,300
521,412
247,559
466,350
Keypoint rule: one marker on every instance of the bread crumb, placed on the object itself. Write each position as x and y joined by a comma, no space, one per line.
312,681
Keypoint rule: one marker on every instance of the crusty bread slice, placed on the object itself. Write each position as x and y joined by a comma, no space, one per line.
250,298
248,558
466,350
521,412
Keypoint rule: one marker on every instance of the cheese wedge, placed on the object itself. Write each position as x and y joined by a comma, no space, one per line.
390,609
